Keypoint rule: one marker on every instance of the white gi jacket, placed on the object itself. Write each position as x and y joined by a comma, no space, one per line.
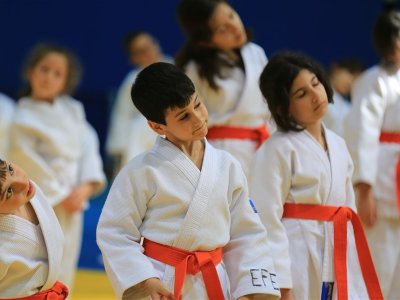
238,101
162,196
336,114
6,114
31,254
375,109
293,167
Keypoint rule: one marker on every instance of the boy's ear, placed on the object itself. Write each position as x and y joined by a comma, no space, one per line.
157,127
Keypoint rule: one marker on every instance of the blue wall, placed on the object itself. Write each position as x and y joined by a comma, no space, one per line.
94,29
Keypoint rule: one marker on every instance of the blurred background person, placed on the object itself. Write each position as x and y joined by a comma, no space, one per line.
128,133
372,133
225,65
342,75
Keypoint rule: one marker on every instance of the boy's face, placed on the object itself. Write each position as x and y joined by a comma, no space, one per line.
16,190
186,124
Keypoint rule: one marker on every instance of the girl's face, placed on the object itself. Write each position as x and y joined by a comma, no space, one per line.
308,99
16,190
228,32
48,77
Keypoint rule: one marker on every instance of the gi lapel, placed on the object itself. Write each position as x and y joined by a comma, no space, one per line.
51,237
202,182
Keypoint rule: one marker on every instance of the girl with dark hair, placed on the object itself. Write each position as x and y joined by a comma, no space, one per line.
224,66
300,182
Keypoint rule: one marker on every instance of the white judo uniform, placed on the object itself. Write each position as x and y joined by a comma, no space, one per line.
7,106
30,259
162,196
376,109
336,114
56,145
238,102
293,168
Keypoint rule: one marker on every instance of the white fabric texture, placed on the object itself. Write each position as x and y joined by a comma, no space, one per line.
294,168
30,259
162,196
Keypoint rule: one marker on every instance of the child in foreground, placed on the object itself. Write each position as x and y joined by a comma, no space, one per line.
188,201
301,185
31,239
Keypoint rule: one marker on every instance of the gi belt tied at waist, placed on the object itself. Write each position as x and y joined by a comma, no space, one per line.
58,291
187,262
258,134
340,215
393,137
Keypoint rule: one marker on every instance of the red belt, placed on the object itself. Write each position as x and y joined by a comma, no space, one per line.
393,137
339,215
57,292
189,262
259,134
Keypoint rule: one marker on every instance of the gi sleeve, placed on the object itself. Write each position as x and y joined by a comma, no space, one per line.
118,236
248,262
269,184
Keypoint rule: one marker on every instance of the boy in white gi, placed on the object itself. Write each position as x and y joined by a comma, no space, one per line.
189,201
372,133
301,185
31,240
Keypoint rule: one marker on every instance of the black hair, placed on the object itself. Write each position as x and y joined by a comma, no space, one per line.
385,34
194,17
38,53
158,87
276,81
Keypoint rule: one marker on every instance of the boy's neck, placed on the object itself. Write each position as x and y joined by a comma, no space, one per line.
194,150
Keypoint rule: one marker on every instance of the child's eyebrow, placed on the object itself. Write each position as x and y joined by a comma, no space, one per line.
181,112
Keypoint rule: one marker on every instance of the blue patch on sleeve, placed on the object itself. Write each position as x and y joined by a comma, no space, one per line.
253,206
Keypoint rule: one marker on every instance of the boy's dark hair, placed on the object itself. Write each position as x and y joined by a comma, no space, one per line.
194,17
276,81
36,55
158,87
385,34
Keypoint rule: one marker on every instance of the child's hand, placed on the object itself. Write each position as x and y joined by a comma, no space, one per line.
366,205
287,294
78,197
157,289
